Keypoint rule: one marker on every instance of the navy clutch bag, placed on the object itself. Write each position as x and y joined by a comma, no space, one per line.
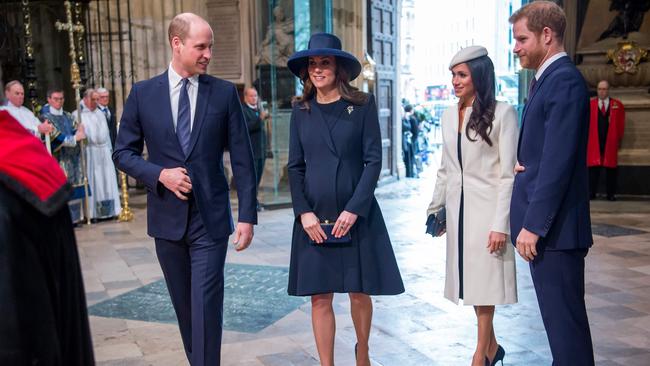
437,223
331,239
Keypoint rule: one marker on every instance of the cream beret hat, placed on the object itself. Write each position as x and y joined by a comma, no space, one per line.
467,54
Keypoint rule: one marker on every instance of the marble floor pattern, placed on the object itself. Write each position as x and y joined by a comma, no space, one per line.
131,323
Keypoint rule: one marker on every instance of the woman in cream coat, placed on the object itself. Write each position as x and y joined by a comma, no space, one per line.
474,183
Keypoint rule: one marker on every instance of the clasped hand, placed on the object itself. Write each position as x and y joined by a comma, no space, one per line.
176,180
342,226
45,128
81,133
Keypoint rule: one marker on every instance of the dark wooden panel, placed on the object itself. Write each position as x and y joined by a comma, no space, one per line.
383,42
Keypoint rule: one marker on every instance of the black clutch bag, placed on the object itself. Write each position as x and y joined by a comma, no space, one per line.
437,223
331,239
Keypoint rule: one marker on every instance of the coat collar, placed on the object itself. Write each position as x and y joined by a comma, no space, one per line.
322,124
162,94
468,112
201,103
549,70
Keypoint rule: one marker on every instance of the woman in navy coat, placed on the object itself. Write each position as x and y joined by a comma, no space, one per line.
334,164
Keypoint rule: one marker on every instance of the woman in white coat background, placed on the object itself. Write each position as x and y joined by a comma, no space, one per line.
474,184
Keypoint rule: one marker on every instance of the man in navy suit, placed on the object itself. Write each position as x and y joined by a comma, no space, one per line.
187,119
549,212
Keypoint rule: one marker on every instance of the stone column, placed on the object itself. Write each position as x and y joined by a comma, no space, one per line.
571,32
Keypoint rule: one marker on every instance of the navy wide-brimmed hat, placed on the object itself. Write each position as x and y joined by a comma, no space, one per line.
325,44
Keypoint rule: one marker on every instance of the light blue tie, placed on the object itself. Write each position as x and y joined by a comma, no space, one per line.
105,111
183,122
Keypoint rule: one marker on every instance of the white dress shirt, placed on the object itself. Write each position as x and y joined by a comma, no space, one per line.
600,103
23,115
56,112
548,63
175,83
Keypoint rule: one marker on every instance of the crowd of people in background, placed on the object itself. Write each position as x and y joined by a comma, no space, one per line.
420,137
82,143
64,134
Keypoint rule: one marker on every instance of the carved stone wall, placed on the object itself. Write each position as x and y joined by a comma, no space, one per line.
225,19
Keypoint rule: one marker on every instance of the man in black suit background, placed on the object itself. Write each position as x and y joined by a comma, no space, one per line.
102,104
256,118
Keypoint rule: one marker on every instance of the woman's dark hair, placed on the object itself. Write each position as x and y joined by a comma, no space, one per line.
480,121
348,92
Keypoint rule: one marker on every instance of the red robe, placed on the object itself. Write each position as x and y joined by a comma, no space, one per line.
43,316
614,134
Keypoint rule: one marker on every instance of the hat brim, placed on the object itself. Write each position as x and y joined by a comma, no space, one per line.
299,60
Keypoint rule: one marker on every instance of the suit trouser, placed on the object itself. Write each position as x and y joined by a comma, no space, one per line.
559,279
193,270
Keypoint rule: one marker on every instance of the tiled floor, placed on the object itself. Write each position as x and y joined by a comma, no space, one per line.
132,322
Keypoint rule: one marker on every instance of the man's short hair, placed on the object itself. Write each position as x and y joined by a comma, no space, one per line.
246,89
541,14
12,83
408,108
101,90
51,91
89,92
178,27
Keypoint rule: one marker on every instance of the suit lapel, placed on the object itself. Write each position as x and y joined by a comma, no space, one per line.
166,118
322,127
201,103
549,70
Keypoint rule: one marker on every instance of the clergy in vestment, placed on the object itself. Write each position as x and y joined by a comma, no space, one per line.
44,319
105,198
65,148
15,94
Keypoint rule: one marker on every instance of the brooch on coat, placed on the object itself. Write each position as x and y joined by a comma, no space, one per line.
350,109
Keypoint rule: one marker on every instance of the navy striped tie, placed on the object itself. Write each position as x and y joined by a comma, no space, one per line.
531,88
183,129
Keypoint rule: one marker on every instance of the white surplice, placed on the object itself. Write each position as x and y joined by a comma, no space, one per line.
104,200
24,116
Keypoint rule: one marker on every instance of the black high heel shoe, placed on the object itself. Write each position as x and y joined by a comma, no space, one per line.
356,345
498,356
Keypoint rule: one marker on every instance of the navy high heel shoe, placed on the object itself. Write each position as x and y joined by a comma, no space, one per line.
498,356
